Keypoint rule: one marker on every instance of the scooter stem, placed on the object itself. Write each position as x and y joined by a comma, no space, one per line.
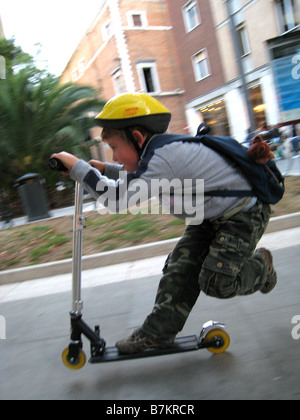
78,223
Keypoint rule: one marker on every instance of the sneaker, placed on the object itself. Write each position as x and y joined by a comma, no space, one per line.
138,342
271,273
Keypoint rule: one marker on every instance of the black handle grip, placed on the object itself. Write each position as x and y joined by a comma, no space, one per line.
57,165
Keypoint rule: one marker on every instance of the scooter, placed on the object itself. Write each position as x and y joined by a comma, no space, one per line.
213,336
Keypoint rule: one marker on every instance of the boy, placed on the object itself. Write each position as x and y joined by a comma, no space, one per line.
215,255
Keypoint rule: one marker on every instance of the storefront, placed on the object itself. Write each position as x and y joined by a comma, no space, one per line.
258,105
285,55
215,116
225,112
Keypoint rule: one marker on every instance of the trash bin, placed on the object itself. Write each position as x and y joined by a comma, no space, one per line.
34,200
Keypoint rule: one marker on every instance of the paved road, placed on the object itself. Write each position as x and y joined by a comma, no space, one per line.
261,363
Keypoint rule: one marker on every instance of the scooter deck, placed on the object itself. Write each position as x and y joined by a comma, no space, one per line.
182,344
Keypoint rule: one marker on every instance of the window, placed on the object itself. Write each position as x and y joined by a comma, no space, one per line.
201,66
191,15
148,77
258,106
244,40
137,19
288,14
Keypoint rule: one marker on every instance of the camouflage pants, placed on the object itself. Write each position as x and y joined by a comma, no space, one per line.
214,257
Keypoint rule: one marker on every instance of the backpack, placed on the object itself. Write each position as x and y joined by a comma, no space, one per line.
266,179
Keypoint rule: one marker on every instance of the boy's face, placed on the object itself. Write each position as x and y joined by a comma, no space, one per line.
123,153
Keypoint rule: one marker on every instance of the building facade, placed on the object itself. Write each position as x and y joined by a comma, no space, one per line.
200,62
255,22
206,60
130,48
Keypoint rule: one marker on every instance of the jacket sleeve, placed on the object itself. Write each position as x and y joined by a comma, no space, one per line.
112,170
128,189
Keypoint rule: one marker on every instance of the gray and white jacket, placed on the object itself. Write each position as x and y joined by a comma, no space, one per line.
178,173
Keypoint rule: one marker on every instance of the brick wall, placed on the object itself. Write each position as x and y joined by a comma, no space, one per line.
189,43
96,59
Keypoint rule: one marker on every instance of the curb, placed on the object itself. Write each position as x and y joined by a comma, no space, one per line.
120,256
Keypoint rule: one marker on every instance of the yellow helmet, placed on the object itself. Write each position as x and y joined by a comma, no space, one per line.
129,109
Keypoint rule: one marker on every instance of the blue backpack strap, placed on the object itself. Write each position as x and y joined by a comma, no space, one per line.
266,180
162,140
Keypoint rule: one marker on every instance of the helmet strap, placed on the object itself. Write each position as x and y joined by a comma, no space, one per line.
130,137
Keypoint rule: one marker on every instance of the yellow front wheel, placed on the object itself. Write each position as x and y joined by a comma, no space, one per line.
221,340
75,364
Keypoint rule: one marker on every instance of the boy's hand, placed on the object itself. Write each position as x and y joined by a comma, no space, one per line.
67,159
98,165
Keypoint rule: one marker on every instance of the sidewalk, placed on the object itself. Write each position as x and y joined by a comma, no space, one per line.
132,267
118,290
276,224
65,211
261,363
290,166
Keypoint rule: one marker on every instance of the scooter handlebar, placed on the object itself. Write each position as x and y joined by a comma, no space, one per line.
57,165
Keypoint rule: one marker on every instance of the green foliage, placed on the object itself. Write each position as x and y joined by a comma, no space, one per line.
14,55
40,116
